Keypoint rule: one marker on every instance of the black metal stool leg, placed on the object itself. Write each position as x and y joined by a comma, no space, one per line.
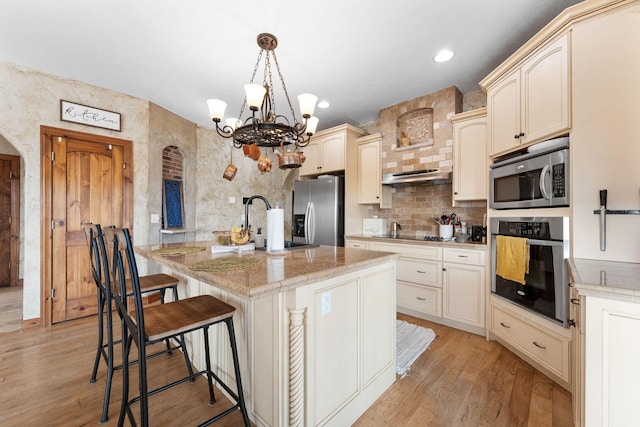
207,358
236,367
124,406
110,367
96,363
167,341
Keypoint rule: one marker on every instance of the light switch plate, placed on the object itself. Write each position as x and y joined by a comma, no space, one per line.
155,218
325,303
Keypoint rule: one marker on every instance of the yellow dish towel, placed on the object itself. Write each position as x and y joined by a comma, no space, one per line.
512,261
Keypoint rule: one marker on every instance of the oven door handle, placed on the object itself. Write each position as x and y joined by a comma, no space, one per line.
536,242
543,182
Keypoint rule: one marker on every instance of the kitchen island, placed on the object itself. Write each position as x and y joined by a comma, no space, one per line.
315,327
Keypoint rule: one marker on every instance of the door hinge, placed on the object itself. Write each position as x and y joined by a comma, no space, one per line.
53,225
53,157
53,293
124,166
110,147
10,174
9,220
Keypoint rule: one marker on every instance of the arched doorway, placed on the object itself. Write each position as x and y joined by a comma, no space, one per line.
10,237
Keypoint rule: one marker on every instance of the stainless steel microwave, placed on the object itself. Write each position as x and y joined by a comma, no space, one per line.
536,178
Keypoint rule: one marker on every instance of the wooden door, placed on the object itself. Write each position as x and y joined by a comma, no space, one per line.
88,181
9,219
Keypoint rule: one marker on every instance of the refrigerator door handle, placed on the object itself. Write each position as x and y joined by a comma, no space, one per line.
306,222
311,236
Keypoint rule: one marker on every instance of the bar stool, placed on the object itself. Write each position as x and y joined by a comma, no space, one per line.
153,324
101,276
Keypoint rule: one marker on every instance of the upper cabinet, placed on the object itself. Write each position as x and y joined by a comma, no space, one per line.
325,153
370,188
530,103
470,170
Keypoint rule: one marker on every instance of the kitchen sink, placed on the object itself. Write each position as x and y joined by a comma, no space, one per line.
290,245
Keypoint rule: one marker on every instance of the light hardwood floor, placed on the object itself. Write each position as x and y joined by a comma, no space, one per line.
10,308
461,380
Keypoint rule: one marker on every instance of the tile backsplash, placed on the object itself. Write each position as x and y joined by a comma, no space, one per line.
414,205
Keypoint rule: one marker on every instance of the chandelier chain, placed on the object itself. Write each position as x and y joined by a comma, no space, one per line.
284,87
253,75
268,80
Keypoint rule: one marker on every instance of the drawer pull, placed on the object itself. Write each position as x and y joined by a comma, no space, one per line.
421,298
575,301
420,271
463,256
505,326
539,346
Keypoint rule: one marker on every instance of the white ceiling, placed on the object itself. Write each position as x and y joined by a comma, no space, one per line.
359,55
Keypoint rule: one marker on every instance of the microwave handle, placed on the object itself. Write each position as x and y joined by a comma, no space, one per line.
543,182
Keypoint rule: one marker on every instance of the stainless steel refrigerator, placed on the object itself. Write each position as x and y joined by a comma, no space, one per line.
318,211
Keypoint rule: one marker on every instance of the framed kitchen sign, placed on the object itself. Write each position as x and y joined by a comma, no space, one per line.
91,116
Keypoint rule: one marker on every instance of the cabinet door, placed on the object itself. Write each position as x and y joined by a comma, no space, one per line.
470,160
332,149
612,372
369,172
310,165
463,293
503,104
545,92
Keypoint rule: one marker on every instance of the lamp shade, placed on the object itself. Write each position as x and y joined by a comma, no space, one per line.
307,103
312,125
216,108
255,95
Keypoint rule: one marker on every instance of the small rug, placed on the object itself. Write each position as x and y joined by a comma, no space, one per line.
225,264
411,342
181,250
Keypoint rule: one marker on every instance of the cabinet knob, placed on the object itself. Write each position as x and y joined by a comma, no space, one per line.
575,301
444,269
572,323
516,136
319,167
455,193
521,134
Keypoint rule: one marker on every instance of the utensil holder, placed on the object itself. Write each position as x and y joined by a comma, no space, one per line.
446,231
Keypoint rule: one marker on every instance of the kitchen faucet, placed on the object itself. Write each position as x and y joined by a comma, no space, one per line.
247,202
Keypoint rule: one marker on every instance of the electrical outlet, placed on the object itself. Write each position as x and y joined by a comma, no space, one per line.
155,218
232,199
325,303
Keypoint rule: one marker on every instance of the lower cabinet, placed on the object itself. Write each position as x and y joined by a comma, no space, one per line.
545,346
441,284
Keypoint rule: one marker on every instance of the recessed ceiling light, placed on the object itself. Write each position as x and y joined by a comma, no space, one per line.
443,56
323,104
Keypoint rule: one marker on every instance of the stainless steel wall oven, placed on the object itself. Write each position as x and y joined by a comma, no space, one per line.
545,290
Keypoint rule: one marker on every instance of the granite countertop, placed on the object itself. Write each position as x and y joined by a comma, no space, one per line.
619,280
273,273
412,239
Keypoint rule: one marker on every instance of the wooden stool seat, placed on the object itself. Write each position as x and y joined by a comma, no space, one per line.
155,282
173,318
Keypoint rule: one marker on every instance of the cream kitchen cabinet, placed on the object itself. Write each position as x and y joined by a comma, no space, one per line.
356,244
463,286
530,103
470,168
543,344
370,188
326,153
439,283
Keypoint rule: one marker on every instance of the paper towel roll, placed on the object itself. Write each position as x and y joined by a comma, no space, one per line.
275,230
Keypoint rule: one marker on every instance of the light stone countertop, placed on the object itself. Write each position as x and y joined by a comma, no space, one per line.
274,273
607,279
418,241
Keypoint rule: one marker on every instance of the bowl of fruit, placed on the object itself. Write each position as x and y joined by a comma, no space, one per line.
235,236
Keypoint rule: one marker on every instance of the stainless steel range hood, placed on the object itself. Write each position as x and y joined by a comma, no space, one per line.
433,176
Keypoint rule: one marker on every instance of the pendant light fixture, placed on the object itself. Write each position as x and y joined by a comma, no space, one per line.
266,128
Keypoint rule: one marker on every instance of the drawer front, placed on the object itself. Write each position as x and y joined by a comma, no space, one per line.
416,251
358,244
464,256
419,271
424,299
548,350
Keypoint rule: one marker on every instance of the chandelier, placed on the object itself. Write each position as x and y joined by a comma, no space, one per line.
264,127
